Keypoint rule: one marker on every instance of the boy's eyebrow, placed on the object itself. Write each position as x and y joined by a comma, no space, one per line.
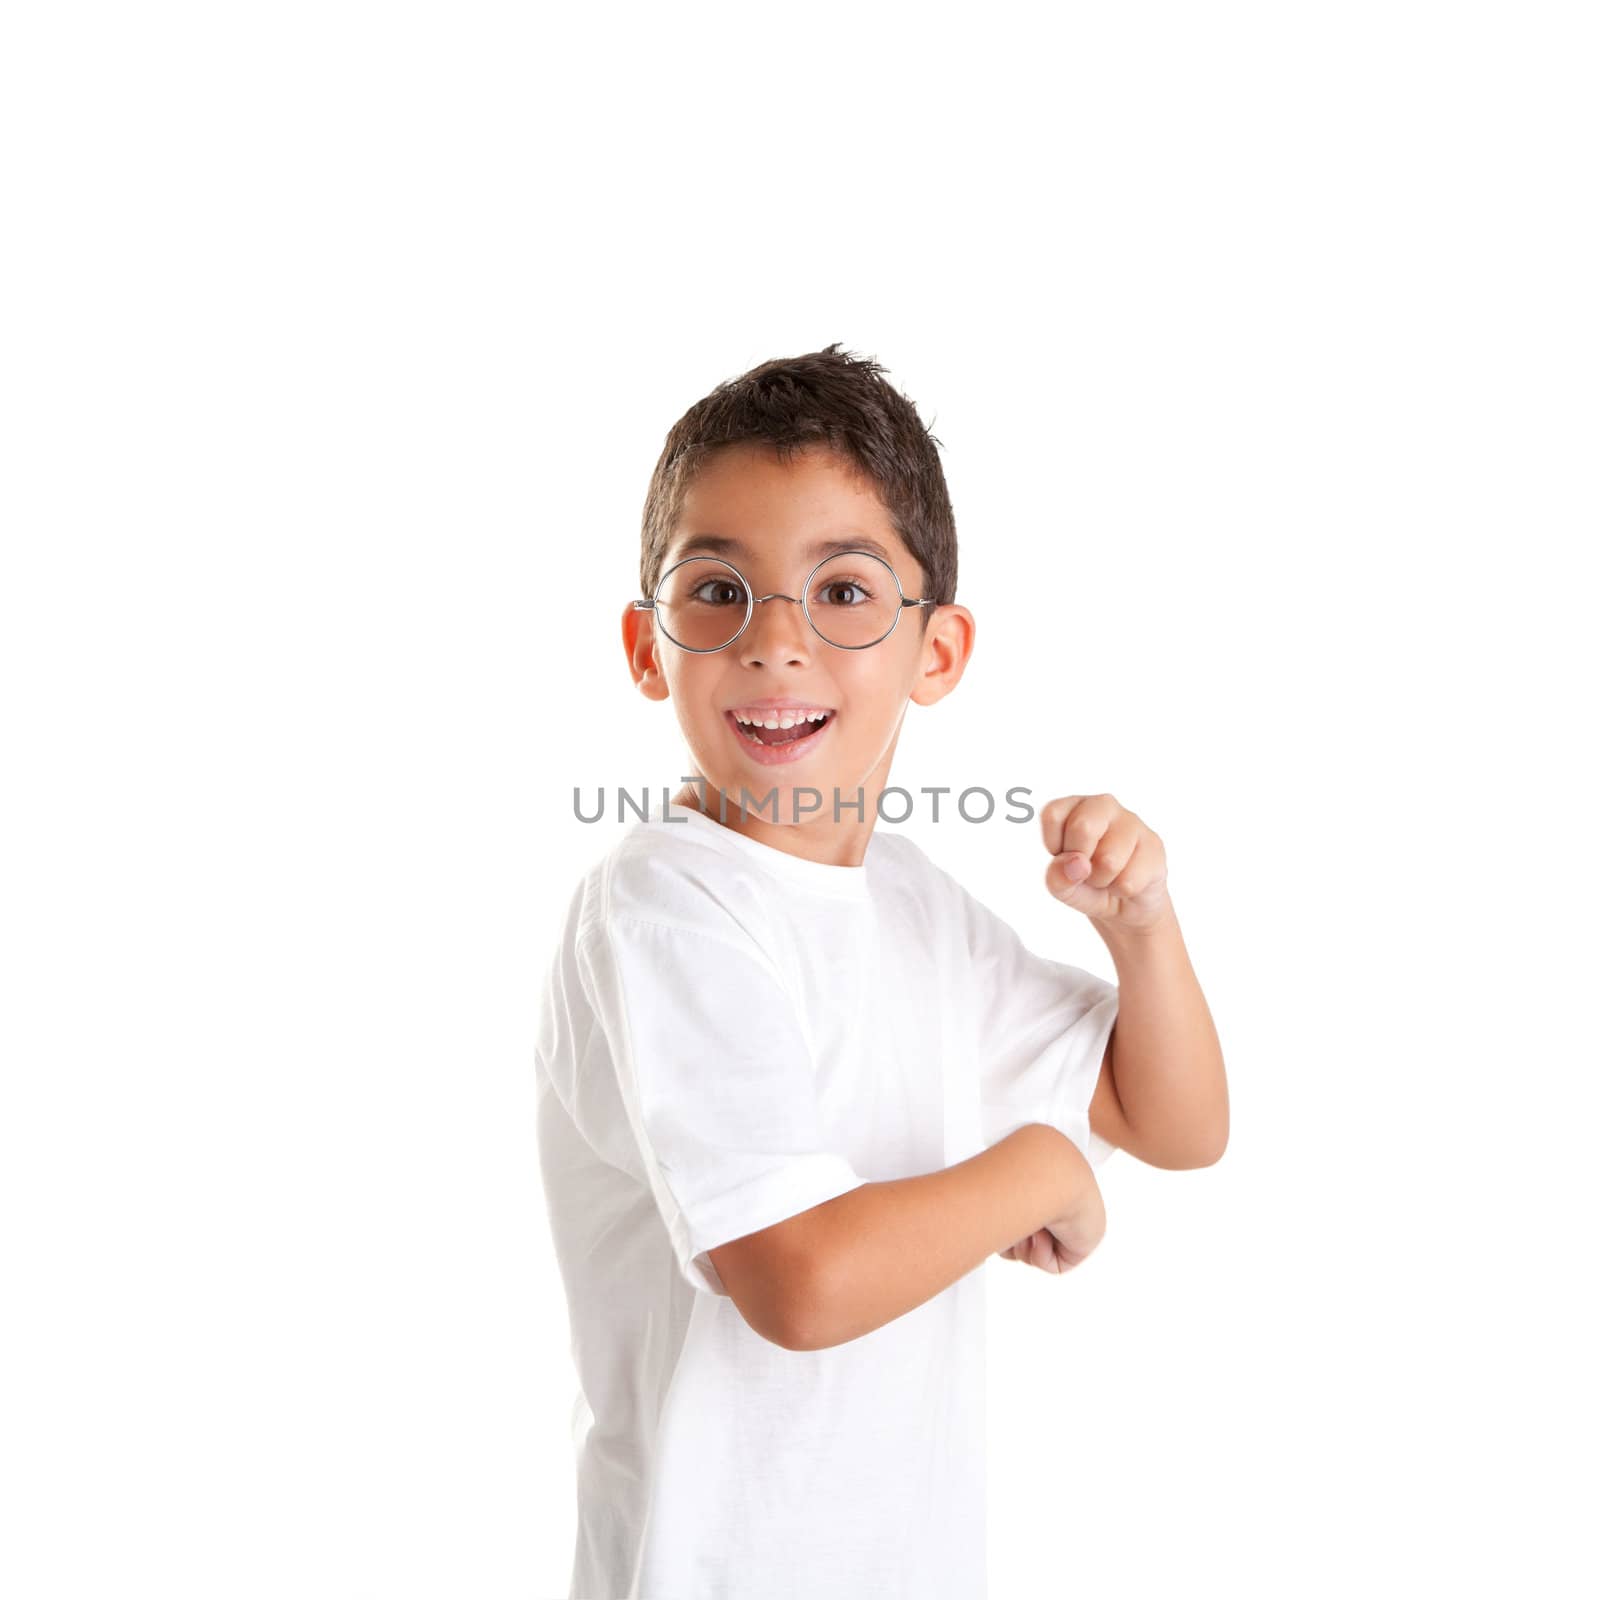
716,544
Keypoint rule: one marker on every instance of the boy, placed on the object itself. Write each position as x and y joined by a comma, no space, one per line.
795,1084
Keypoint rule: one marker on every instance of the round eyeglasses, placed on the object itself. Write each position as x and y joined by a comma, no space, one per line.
852,601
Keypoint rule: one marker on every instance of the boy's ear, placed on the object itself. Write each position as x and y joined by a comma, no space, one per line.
946,650
639,641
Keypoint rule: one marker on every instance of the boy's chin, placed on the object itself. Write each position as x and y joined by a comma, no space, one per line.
805,792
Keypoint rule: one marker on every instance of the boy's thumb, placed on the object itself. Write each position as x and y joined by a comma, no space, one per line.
1065,873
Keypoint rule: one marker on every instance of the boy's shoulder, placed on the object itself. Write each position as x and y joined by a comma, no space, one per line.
666,870
670,868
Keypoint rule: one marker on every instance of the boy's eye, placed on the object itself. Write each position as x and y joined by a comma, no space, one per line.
837,592
717,592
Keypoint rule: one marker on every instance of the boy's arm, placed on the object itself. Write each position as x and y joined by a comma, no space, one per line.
1163,1095
860,1260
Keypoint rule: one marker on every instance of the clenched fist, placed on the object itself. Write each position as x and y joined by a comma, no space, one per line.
1060,1246
1105,862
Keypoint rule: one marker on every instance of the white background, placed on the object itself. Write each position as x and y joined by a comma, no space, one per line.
338,345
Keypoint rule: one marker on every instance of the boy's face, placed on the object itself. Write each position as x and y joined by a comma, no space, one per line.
777,512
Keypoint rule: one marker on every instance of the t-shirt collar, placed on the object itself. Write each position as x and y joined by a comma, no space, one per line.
824,876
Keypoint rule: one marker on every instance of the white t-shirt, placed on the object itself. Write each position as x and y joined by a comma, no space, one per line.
730,1035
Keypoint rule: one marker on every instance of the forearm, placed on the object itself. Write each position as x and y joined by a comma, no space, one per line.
1166,1057
884,1248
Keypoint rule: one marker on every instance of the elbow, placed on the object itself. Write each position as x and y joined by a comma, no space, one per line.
1205,1134
805,1318
1184,1149
786,1304
794,1284
1181,1150
1208,1151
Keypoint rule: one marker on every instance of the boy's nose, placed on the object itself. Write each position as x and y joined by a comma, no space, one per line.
778,631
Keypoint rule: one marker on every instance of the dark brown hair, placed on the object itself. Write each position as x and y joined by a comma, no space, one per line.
829,399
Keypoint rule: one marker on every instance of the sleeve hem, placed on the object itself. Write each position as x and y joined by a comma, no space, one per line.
1071,1111
760,1203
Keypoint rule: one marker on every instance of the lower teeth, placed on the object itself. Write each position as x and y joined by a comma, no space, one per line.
783,735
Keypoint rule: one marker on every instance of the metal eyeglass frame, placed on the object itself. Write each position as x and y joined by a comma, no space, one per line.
751,601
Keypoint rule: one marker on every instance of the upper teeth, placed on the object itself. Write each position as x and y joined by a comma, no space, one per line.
778,719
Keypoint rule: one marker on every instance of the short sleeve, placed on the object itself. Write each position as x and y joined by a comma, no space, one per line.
1043,1028
716,1078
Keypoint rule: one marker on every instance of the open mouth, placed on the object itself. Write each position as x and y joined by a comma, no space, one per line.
766,730
773,732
